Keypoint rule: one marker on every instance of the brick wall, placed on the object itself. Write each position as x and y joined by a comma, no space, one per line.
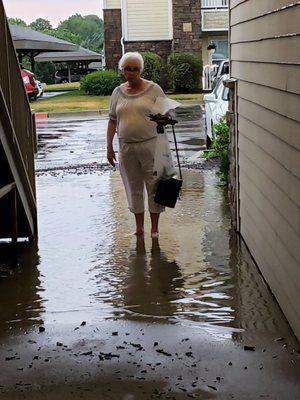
162,47
187,26
186,33
112,37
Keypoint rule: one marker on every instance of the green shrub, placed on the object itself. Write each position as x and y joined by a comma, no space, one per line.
44,72
220,149
153,66
185,71
100,82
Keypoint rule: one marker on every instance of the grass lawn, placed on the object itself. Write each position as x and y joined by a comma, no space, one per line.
72,101
62,87
196,97
76,100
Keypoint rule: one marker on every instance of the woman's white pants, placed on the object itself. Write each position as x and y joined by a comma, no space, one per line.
136,162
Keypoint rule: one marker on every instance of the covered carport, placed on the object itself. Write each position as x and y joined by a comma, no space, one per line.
29,42
80,58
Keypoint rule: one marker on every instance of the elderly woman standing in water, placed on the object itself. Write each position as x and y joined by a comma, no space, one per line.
130,106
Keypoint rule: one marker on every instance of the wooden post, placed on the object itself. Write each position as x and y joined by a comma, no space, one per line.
32,62
69,73
14,216
231,118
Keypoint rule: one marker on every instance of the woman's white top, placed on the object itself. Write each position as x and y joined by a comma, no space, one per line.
131,111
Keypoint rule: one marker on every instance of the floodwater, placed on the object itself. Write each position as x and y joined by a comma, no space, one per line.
122,318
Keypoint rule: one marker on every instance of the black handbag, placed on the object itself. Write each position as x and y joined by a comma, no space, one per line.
168,190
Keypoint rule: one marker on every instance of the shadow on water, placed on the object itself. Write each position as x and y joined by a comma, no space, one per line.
20,301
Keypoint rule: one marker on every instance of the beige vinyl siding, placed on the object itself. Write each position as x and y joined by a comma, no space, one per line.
265,60
277,76
246,10
111,4
147,20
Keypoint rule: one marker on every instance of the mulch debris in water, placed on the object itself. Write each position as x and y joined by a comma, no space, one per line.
249,348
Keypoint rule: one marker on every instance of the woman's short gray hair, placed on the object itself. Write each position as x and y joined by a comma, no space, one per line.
131,55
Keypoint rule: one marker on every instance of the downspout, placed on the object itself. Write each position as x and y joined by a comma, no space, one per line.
103,60
236,127
122,44
123,5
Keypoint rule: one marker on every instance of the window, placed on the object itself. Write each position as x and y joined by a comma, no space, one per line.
144,20
225,94
221,52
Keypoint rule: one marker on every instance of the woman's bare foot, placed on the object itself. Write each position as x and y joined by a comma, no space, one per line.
154,234
139,223
139,232
154,225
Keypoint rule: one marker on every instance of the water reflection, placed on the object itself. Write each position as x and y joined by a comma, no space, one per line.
256,311
187,276
20,300
152,283
166,280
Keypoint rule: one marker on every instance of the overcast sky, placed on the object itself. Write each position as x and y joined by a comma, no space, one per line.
53,10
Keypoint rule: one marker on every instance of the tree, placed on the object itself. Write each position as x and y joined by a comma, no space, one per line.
45,72
41,24
64,34
89,28
94,42
17,21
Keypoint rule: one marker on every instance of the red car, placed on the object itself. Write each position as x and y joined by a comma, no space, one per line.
30,84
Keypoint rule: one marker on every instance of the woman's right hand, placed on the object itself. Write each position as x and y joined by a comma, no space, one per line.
111,156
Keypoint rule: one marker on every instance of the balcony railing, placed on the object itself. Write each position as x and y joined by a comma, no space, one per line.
215,3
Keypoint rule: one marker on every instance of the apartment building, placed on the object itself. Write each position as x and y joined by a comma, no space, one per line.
214,29
163,26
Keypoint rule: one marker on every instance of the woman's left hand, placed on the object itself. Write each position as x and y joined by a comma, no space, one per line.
111,156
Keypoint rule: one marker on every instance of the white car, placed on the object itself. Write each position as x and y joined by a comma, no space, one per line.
216,106
221,68
41,86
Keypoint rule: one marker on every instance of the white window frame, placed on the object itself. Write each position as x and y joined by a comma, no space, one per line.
213,29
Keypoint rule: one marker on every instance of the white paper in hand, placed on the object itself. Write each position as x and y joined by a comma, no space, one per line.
163,105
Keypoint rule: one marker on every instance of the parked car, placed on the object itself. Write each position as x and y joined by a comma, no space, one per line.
221,68
62,75
216,106
30,84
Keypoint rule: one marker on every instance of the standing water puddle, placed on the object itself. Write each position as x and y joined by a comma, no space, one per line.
195,280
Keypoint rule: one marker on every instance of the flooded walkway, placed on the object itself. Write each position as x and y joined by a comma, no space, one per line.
97,314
